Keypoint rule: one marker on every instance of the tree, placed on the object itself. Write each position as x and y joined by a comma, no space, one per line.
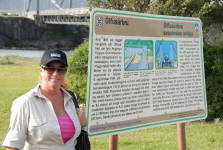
176,7
214,81
128,5
77,71
210,11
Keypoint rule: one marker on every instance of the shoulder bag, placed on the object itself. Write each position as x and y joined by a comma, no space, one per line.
83,142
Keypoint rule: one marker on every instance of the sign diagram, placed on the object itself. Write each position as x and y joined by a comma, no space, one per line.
138,55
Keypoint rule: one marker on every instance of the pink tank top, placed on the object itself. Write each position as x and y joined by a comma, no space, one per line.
67,127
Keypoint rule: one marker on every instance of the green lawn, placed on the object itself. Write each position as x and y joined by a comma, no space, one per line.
199,136
15,79
18,77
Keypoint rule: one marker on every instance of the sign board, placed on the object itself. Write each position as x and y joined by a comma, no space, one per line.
144,71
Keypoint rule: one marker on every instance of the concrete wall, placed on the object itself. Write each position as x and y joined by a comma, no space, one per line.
20,29
23,33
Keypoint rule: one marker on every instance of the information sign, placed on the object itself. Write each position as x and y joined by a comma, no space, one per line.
144,71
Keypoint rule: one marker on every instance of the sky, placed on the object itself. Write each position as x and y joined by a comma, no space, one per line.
19,6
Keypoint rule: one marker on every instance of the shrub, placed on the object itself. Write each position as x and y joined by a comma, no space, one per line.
77,72
6,60
213,62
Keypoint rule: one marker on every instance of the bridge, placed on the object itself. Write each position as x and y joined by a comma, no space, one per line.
76,16
53,11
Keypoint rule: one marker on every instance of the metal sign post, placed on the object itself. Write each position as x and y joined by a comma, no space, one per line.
113,142
181,136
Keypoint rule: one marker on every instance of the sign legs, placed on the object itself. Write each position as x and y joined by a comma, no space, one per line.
113,139
181,136
113,142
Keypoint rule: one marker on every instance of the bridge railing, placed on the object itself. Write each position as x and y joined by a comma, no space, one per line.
79,16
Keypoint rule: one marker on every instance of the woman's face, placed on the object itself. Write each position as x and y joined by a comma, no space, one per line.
53,74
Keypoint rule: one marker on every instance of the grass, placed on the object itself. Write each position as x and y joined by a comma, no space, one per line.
6,60
199,136
18,77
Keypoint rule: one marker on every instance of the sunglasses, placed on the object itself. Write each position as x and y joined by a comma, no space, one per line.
51,69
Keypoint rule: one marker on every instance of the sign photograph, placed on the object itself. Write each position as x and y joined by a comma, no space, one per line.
144,71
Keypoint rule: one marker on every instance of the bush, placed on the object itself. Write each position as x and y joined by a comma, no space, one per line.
6,60
77,72
213,62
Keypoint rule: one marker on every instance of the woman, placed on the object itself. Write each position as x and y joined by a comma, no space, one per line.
45,118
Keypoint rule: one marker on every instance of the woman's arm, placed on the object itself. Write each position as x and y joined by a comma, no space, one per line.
82,117
16,135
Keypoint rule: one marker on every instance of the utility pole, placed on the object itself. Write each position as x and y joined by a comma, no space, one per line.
37,17
37,8
70,3
24,1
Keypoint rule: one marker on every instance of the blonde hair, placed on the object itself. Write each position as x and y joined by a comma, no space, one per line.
64,84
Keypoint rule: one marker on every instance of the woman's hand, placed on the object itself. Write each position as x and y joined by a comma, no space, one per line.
82,117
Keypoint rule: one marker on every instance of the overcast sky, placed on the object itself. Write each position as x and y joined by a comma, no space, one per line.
21,5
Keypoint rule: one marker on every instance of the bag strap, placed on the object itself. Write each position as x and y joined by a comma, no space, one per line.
74,99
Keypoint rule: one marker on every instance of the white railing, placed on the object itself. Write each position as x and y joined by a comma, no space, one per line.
72,11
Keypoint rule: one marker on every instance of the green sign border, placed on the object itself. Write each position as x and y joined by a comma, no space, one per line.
147,16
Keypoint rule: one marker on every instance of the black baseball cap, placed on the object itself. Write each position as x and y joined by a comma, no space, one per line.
53,55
